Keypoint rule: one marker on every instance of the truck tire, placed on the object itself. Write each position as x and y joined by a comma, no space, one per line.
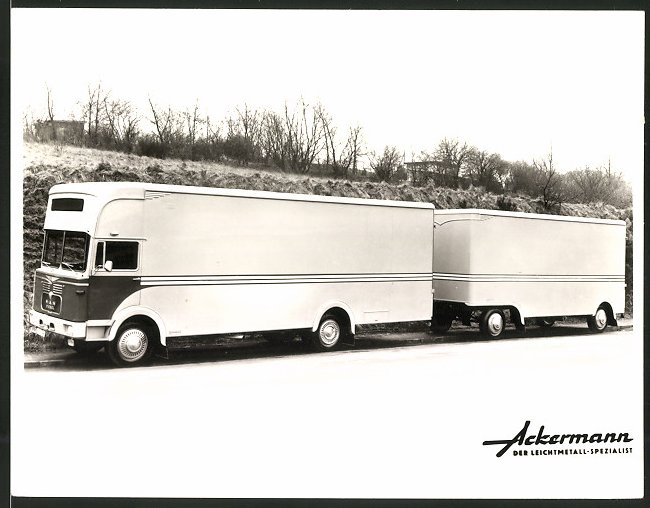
598,322
327,336
133,345
493,322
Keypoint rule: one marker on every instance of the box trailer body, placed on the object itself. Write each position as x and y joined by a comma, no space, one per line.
536,266
189,261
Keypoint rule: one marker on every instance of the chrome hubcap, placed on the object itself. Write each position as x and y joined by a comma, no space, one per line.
495,324
329,332
132,345
601,318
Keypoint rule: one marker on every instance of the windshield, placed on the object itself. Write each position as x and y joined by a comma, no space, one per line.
66,249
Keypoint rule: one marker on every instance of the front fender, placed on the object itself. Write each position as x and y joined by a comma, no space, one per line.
128,312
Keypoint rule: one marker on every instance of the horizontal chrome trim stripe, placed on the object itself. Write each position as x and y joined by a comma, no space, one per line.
99,322
62,282
459,277
80,284
282,279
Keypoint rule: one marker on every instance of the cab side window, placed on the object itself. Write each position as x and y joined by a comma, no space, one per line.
124,255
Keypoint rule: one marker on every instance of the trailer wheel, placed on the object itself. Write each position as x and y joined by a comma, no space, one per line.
328,334
133,345
493,323
598,322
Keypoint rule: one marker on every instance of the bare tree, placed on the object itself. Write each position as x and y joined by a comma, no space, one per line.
355,147
249,122
244,134
193,123
588,185
337,158
340,158
29,125
485,168
274,139
293,140
386,165
451,157
167,124
329,137
548,181
520,177
598,185
50,105
44,129
212,131
93,111
122,122
304,136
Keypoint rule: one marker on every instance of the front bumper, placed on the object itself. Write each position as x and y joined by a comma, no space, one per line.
85,330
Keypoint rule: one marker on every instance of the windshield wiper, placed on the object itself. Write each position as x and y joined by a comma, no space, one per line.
67,265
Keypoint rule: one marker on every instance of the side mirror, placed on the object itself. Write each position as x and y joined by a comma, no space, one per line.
108,266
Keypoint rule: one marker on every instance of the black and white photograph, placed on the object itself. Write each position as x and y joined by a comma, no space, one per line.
327,254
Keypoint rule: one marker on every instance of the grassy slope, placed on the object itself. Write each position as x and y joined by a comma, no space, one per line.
45,165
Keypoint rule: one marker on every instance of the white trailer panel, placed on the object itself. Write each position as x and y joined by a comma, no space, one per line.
542,265
225,264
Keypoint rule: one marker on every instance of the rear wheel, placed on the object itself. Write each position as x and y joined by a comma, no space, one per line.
598,322
328,334
492,323
133,345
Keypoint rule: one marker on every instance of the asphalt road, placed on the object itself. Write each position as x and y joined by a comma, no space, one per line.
201,350
397,415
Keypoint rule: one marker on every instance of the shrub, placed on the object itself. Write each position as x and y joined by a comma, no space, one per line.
386,165
506,204
204,150
102,170
151,147
239,148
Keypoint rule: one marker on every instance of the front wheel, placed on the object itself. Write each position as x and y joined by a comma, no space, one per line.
328,334
493,322
598,322
133,345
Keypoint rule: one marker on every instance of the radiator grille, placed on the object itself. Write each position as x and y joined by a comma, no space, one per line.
56,289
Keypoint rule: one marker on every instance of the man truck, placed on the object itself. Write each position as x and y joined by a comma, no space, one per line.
131,265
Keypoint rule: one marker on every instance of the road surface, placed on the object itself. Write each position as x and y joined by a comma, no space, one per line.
398,415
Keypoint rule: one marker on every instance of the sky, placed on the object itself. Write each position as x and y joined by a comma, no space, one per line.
515,83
